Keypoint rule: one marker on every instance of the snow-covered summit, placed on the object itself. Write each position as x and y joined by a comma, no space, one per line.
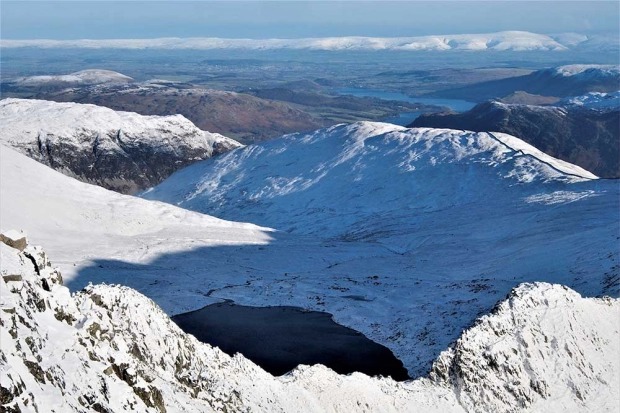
124,151
544,349
82,77
366,169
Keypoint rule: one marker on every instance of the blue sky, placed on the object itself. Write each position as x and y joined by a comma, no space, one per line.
292,19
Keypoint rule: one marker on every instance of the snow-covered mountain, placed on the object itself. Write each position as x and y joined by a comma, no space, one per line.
586,71
459,220
419,221
500,41
108,349
365,170
584,130
123,151
83,77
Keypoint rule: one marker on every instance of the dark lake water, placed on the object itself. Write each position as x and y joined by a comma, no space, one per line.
280,338
406,118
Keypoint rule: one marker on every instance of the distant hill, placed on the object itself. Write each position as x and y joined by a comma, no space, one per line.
562,81
241,116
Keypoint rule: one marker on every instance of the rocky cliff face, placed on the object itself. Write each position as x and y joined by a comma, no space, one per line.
109,349
122,151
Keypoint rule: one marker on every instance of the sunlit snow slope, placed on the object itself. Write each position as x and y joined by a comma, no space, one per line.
371,180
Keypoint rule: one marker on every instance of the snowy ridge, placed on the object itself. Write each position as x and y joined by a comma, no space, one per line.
500,41
119,150
23,118
83,77
116,350
362,158
594,100
522,353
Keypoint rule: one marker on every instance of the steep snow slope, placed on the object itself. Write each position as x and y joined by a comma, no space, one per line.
123,151
500,41
84,222
110,349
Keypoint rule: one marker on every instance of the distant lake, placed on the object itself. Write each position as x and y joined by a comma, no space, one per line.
406,118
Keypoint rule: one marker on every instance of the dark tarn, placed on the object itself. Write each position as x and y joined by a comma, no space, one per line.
280,338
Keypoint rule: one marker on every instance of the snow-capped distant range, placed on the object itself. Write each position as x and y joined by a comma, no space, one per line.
81,78
544,348
123,151
500,41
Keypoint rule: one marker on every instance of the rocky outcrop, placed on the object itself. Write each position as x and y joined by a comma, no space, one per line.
122,151
542,338
108,349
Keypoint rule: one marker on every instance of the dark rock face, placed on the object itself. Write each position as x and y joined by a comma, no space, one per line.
280,338
585,137
125,166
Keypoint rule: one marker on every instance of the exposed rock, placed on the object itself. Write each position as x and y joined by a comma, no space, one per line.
15,239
